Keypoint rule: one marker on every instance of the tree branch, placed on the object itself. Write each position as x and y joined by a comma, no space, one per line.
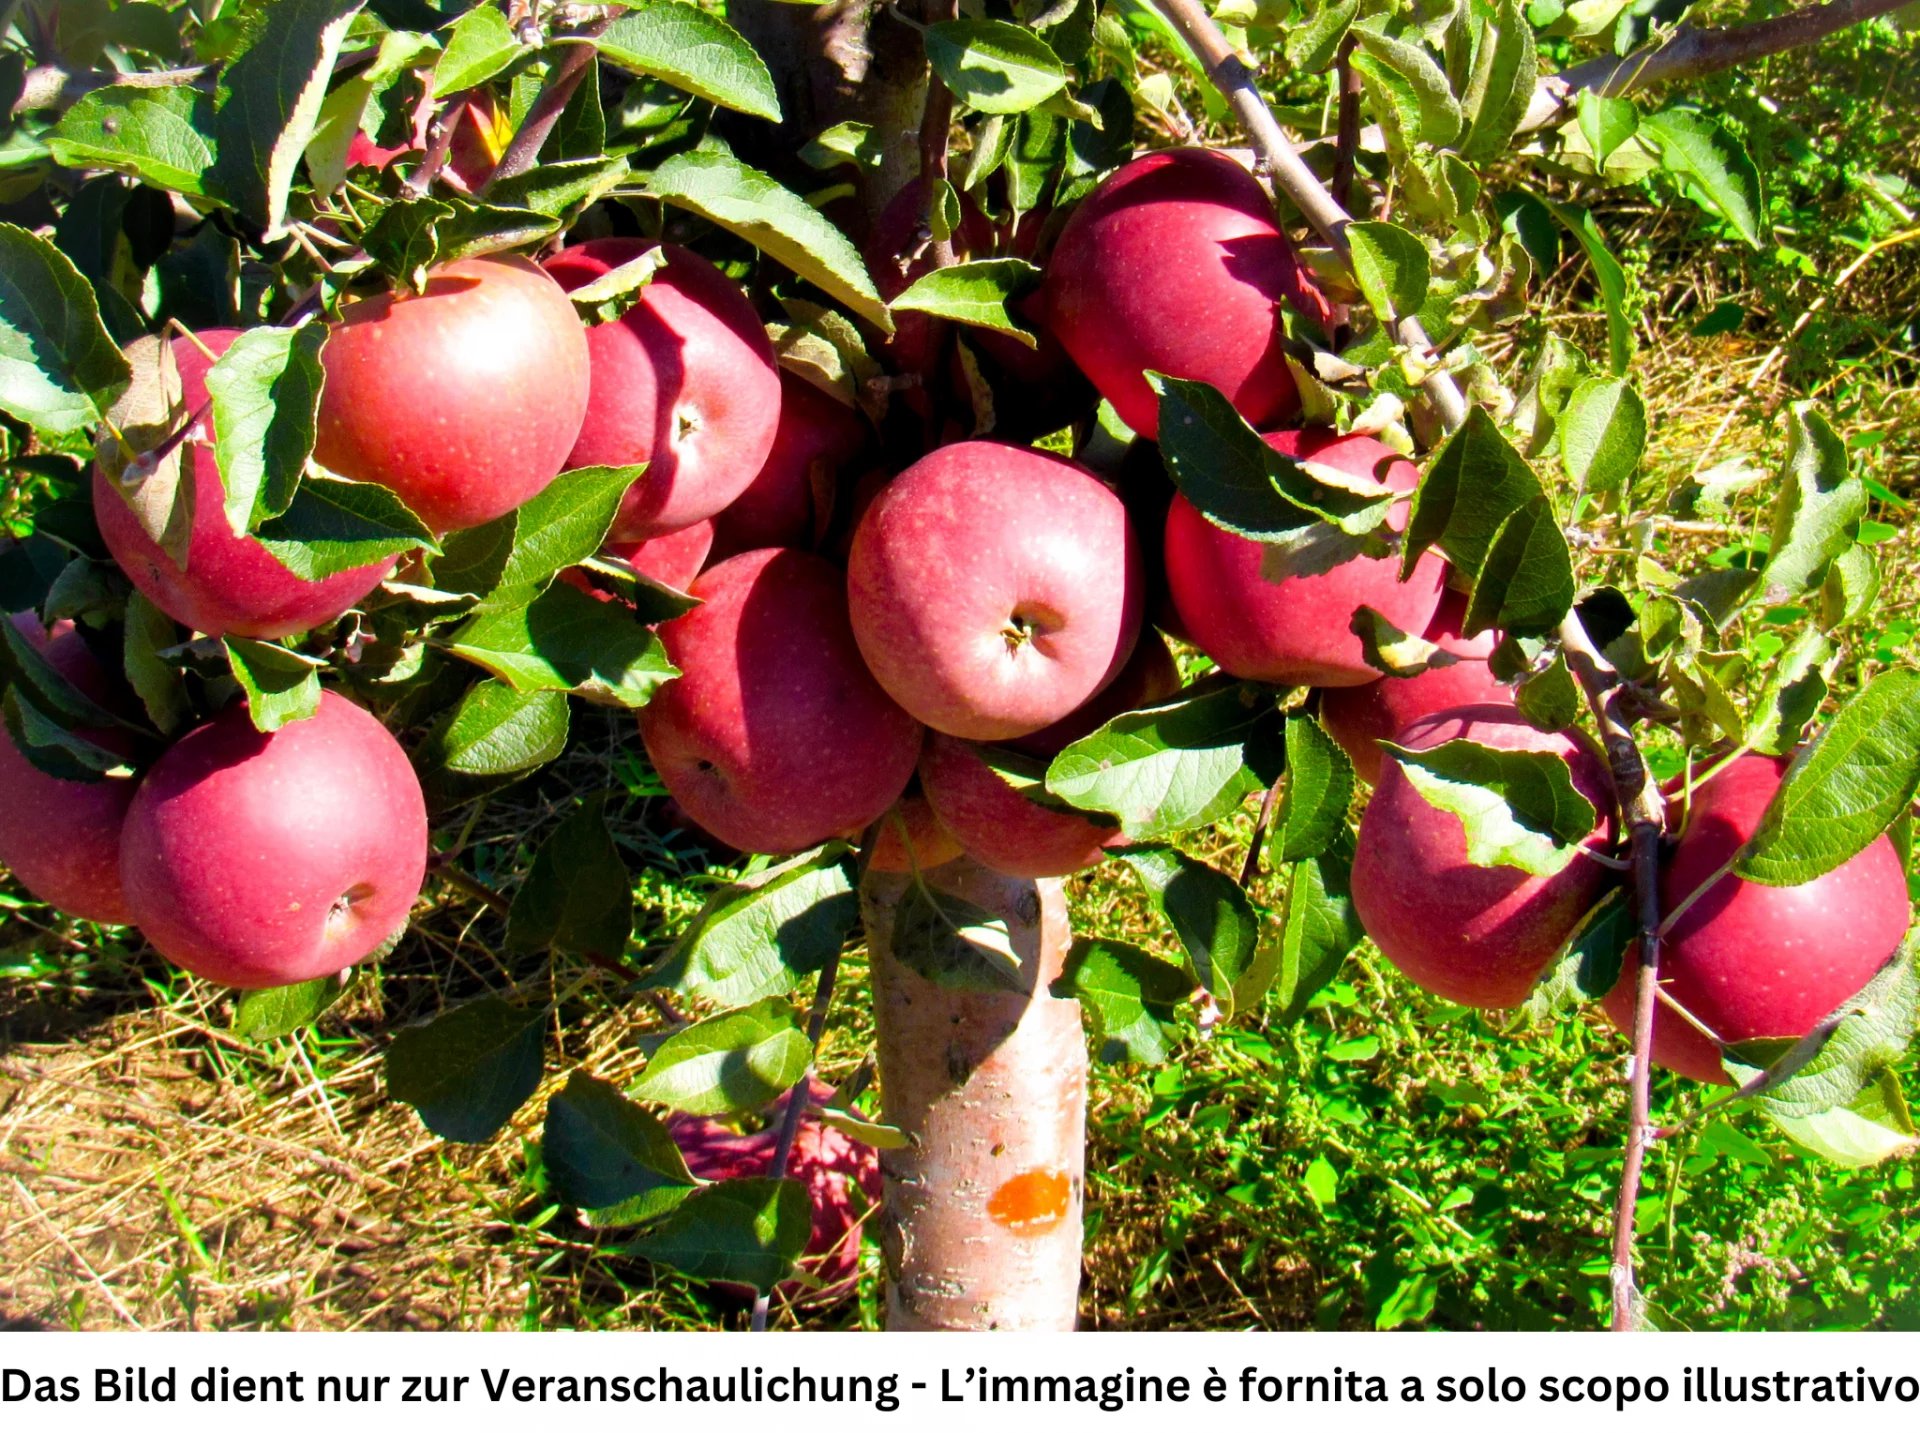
562,80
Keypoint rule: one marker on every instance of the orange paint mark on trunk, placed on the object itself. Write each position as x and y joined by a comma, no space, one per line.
1033,1202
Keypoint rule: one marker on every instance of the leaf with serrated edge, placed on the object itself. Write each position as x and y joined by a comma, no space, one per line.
694,50
1589,964
728,1064
995,67
609,1157
1603,434
955,944
975,294
480,45
738,1231
577,895
265,391
1439,112
1389,650
281,686
1312,814
268,1014
59,369
1505,67
1819,506
1526,585
1318,930
1516,808
496,731
158,136
467,1070
334,526
761,937
1875,1127
564,524
1131,998
1795,689
1208,912
1391,266
567,641
1715,166
1471,486
157,683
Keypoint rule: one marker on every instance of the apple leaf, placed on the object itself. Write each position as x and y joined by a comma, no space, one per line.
1313,43
480,45
774,220
142,444
335,526
1873,1127
729,1064
52,747
996,67
262,1015
281,686
1795,690
471,562
467,1070
59,368
1818,509
1392,652
694,50
1714,168
560,188
608,1157
1525,586
1505,67
157,136
156,681
562,525
761,936
577,896
738,1231
1852,585
265,391
1167,769
267,104
1317,930
1846,787
1312,815
495,731
1603,434
1392,267
1550,699
567,641
404,238
951,942
1131,997
1609,274
1207,910
1589,964
1472,486
1516,808
25,669
1439,118
976,294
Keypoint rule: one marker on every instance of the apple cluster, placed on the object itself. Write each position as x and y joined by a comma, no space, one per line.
899,658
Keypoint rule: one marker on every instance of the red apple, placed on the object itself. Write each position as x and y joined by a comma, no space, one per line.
256,859
1150,677
1477,935
673,559
912,839
784,505
61,839
465,399
994,589
775,737
999,827
1175,264
684,382
1360,718
231,585
1293,630
1753,962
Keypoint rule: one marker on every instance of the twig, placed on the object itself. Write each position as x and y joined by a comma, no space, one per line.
446,120
1250,867
524,149
473,888
1347,135
936,126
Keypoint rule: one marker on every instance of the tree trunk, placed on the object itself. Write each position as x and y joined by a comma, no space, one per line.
981,1219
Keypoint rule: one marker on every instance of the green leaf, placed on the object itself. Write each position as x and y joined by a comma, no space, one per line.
953,943
1131,997
1322,1182
1516,808
560,188
496,731
1852,585
1392,652
472,562
610,1158
1795,690
562,525
774,220
1168,769
1606,122
975,294
1240,483
157,682
1317,931
1439,112
1589,964
730,1064
577,896
480,45
1846,788
1392,268
1603,434
1504,70
1875,1127
268,104
158,136
1526,582
739,1231
24,667
53,747
568,641
993,66
1312,815
694,50
265,391
263,1015
1714,167
1550,699
1207,910
404,238
1819,507
849,142
467,1070
1312,45
1611,277
334,526
281,686
59,369
762,936
1472,485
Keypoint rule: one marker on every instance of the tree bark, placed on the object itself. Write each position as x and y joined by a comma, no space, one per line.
981,1218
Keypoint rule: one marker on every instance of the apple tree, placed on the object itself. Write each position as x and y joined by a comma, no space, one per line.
974,443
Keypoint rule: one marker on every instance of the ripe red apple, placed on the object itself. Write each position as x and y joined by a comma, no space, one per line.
61,839
673,559
994,589
1150,677
1294,629
1175,264
775,737
1754,962
684,382
912,839
231,585
256,859
999,827
1360,718
784,506
1477,935
465,399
